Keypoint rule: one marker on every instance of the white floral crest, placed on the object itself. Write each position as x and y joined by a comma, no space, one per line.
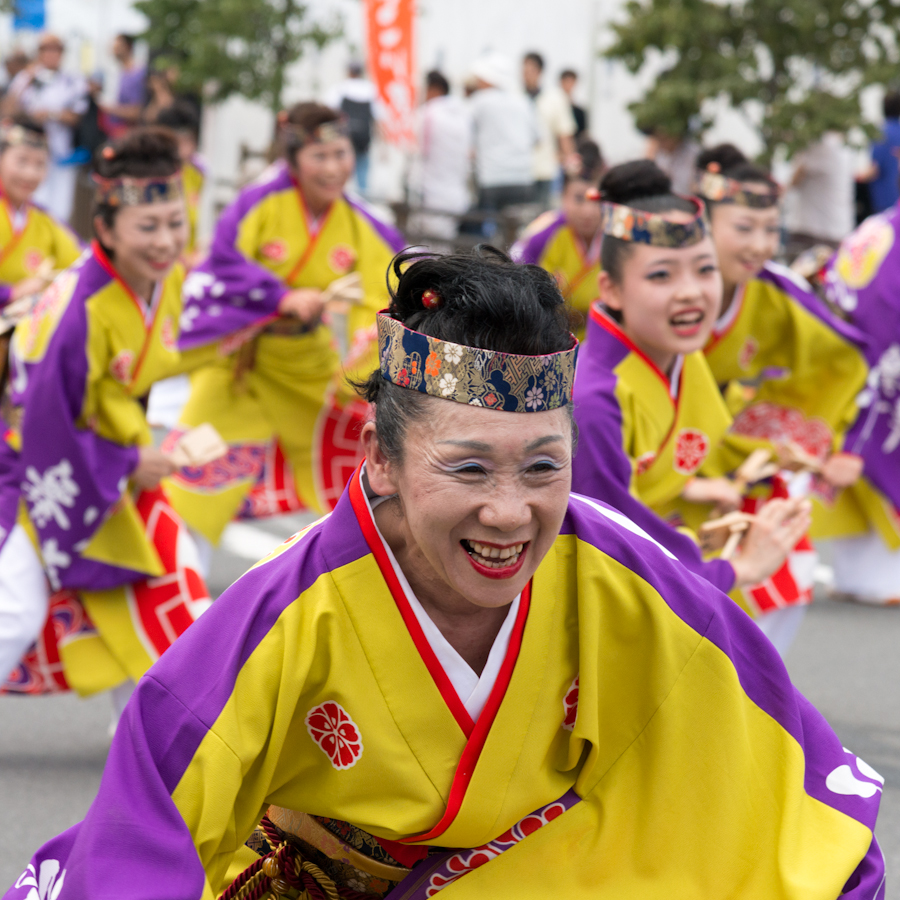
47,494
45,885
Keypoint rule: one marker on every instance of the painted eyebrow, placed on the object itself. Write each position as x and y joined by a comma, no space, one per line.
482,447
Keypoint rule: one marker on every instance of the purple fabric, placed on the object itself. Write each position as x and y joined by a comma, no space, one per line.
5,294
228,292
531,249
602,469
9,485
875,310
132,845
132,92
70,477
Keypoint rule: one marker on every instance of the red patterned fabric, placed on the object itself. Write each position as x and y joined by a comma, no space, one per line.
331,727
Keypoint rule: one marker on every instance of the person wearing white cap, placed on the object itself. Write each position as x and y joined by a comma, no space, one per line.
505,131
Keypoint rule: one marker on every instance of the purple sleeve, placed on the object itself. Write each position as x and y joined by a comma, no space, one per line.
131,88
71,477
602,470
228,292
5,294
9,484
530,248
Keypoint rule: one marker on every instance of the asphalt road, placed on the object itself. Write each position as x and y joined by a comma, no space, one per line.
52,749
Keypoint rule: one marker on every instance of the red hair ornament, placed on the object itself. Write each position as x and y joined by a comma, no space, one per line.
431,299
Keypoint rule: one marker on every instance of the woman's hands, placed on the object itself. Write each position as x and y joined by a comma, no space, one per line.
34,284
841,470
153,465
778,526
721,492
305,304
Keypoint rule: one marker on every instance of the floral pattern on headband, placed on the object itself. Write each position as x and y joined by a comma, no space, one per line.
628,224
127,191
473,376
718,188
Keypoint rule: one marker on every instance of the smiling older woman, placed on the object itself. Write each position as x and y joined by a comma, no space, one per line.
468,672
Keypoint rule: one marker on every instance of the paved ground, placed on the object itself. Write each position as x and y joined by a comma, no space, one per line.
52,750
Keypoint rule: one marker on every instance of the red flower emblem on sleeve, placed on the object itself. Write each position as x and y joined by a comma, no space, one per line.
336,733
570,706
120,366
341,258
275,250
691,448
32,259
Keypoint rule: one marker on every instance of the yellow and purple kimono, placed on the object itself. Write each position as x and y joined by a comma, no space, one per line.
82,365
550,243
862,281
803,364
641,739
28,238
644,435
272,379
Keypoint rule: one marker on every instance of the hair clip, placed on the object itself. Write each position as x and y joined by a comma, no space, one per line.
108,152
593,194
431,299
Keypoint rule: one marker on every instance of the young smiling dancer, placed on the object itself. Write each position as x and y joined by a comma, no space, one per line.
467,671
122,563
650,415
30,240
276,389
805,366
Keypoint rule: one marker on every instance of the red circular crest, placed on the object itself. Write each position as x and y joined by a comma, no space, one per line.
32,259
120,366
643,462
341,258
691,448
275,250
167,333
570,706
336,733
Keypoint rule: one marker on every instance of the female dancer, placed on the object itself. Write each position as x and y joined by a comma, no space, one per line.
32,245
803,364
650,415
101,334
276,381
567,243
469,672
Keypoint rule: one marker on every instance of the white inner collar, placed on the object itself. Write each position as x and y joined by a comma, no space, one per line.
675,376
727,318
473,690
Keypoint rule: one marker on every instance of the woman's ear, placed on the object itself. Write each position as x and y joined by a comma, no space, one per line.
379,470
103,231
610,295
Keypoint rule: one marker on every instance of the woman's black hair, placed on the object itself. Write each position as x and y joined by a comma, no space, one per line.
307,116
23,120
729,161
180,116
144,152
485,300
592,163
640,184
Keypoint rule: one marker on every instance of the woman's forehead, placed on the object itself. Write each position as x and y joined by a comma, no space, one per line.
453,424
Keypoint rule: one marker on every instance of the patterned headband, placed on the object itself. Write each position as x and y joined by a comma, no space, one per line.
327,131
470,375
718,188
629,224
18,135
126,191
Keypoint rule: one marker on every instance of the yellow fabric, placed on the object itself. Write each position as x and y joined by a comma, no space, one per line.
657,745
564,258
291,378
193,178
42,238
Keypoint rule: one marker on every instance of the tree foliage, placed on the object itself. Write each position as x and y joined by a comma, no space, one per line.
794,67
226,47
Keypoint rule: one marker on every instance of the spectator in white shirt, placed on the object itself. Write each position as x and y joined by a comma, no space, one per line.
440,177
505,131
57,100
556,144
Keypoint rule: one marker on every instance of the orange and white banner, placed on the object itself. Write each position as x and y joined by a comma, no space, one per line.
391,45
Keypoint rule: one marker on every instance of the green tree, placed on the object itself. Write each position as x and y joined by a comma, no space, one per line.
226,47
795,68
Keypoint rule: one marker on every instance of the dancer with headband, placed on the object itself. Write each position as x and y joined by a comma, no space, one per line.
466,677
119,561
650,416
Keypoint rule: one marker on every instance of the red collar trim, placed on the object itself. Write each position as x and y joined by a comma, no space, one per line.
604,321
476,732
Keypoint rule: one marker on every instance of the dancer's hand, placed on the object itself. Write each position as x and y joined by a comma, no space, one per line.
153,465
841,470
778,527
305,304
721,492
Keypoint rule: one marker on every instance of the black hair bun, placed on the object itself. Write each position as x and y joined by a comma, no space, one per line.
148,151
634,181
726,156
